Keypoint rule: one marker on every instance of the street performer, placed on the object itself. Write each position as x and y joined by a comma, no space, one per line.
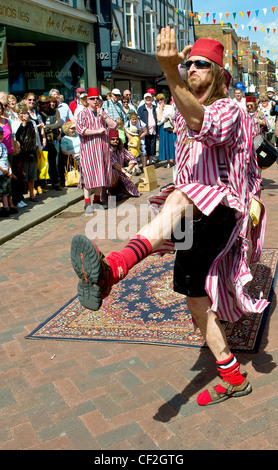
93,125
120,157
217,176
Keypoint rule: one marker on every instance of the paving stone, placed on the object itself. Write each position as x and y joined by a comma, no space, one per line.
109,396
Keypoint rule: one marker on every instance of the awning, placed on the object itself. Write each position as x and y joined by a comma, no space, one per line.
137,62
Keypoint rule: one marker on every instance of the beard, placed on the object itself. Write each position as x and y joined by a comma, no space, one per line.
197,84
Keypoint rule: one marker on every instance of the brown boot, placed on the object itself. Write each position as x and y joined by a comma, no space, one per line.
93,271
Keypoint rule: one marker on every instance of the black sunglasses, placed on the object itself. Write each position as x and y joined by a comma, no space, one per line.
199,64
94,98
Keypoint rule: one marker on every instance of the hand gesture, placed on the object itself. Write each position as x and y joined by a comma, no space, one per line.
167,52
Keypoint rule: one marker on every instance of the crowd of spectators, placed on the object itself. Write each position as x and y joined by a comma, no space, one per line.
45,125
70,132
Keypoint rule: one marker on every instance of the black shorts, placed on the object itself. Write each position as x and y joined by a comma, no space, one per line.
210,235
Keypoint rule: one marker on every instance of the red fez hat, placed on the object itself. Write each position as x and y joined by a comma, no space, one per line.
151,90
251,99
210,49
93,92
113,133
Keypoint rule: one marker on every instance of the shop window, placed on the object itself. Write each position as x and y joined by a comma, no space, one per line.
131,24
150,31
183,41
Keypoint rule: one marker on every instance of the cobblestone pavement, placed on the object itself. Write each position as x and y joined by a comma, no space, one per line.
99,395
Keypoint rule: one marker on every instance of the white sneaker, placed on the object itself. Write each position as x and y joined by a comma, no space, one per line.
20,205
23,203
89,210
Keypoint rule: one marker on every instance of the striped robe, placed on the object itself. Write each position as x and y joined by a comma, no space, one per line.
124,157
94,151
218,165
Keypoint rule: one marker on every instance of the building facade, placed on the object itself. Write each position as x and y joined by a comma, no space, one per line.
243,60
64,44
46,44
125,38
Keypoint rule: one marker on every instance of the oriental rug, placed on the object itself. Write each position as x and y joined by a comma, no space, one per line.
143,308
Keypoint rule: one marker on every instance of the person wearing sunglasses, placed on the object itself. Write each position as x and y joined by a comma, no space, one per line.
92,125
216,177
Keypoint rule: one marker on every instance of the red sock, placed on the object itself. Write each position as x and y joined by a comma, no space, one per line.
229,372
96,198
87,200
121,262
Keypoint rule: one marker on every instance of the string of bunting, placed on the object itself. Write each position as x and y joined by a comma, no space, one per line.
213,16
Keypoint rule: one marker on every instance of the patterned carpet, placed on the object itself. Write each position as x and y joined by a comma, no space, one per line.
144,309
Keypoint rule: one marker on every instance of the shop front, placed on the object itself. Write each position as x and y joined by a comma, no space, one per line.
133,70
43,49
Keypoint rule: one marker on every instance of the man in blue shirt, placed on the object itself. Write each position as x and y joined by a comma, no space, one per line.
113,107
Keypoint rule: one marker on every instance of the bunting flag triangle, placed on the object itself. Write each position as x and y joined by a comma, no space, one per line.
273,9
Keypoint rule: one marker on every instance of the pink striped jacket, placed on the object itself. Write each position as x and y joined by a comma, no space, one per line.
94,151
218,165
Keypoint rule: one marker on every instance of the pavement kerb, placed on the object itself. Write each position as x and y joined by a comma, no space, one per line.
10,230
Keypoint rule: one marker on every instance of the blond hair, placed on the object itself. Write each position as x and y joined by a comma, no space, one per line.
67,126
160,96
21,106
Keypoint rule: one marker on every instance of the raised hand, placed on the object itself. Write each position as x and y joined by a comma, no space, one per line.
167,52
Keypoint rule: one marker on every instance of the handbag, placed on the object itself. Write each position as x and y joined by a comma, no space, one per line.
267,154
168,126
72,176
42,165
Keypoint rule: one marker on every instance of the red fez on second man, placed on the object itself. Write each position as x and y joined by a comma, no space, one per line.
113,133
250,99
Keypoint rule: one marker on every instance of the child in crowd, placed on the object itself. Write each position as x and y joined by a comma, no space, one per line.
134,141
134,146
121,131
142,131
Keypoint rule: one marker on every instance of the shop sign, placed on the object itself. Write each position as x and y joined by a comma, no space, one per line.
35,18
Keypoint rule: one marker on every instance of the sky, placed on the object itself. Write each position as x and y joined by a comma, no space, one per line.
261,16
